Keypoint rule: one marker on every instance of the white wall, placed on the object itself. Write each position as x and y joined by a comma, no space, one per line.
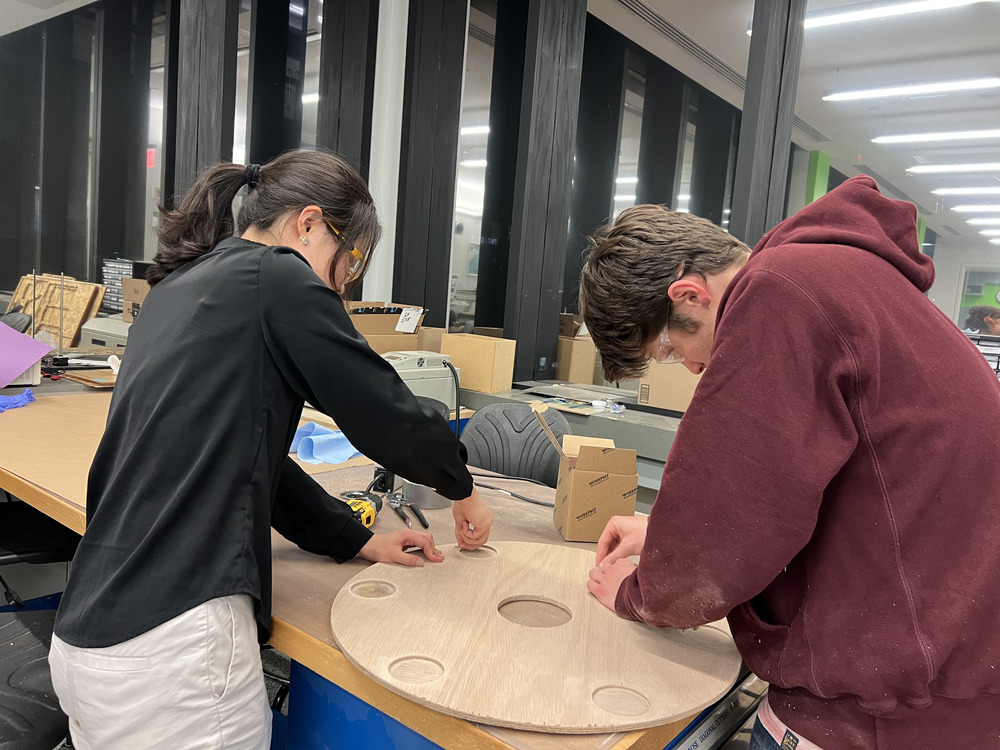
951,258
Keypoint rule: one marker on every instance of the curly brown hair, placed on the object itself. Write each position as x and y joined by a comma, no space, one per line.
630,266
294,180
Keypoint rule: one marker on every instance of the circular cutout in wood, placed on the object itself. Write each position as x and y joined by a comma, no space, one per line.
416,669
621,701
450,649
373,589
486,552
534,612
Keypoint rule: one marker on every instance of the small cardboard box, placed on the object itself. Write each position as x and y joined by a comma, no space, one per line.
667,387
375,323
395,342
134,293
575,359
487,363
430,339
596,481
569,324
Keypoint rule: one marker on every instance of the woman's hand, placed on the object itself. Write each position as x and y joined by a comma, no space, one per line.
472,521
390,548
624,536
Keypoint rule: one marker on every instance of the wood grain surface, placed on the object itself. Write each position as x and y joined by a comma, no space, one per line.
509,635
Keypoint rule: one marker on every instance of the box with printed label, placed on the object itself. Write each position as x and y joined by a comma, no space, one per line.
596,481
385,319
134,293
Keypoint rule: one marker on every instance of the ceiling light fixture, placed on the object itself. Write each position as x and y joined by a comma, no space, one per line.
985,222
916,89
627,180
946,168
978,209
475,130
472,163
310,98
885,11
990,232
958,135
995,242
967,191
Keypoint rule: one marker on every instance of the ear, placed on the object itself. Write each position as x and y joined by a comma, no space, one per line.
308,219
689,291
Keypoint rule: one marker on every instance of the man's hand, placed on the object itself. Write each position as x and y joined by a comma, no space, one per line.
606,579
389,548
472,521
624,536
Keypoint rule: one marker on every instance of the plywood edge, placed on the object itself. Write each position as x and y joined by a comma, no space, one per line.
59,509
654,738
448,731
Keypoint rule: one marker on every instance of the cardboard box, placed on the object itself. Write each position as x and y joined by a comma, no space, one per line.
596,481
408,320
396,342
487,363
430,338
667,387
569,324
575,359
134,293
496,333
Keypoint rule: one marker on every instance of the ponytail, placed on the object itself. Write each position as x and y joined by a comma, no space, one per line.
202,221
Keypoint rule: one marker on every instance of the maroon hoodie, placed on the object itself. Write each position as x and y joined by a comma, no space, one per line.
834,488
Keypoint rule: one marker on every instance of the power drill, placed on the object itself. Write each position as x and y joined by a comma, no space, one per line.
365,505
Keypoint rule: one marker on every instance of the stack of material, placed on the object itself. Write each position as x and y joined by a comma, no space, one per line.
58,305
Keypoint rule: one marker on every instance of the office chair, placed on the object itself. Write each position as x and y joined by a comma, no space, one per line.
506,438
30,718
29,536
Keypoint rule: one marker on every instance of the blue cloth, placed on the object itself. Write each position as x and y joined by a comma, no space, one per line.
318,445
12,402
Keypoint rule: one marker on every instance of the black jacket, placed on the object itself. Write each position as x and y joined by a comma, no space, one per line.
193,468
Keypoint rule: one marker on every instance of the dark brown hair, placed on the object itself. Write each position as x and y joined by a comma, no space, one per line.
978,314
292,181
631,265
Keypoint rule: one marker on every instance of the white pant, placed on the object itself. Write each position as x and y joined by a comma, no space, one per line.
192,683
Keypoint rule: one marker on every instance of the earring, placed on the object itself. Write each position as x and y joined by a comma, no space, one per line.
304,240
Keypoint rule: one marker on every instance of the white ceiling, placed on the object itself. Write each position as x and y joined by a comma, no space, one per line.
959,43
19,14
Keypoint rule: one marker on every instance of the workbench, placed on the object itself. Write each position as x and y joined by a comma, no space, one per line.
331,703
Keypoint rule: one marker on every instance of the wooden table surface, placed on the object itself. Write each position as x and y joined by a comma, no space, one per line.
45,453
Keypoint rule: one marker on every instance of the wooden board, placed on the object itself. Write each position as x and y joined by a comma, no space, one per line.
93,378
80,302
509,635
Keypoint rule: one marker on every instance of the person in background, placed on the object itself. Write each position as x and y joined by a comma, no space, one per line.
984,319
156,637
827,489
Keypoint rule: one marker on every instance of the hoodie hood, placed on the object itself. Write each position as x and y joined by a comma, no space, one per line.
856,214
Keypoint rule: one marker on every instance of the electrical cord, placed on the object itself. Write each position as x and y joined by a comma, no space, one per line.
515,495
504,476
458,406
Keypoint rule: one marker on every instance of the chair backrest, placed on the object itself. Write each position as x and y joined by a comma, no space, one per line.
506,438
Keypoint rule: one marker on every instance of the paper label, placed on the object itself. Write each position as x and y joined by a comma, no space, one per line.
408,320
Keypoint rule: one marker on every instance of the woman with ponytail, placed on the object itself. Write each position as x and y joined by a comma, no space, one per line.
156,639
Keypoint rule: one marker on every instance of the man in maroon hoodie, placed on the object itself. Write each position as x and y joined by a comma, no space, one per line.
828,488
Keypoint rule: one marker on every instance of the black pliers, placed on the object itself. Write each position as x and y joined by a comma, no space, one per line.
398,502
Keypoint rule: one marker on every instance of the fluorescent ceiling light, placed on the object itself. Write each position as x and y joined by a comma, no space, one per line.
683,197
991,232
985,222
627,180
915,89
995,242
310,98
475,130
967,191
472,163
958,135
885,11
945,168
624,199
978,209
296,10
